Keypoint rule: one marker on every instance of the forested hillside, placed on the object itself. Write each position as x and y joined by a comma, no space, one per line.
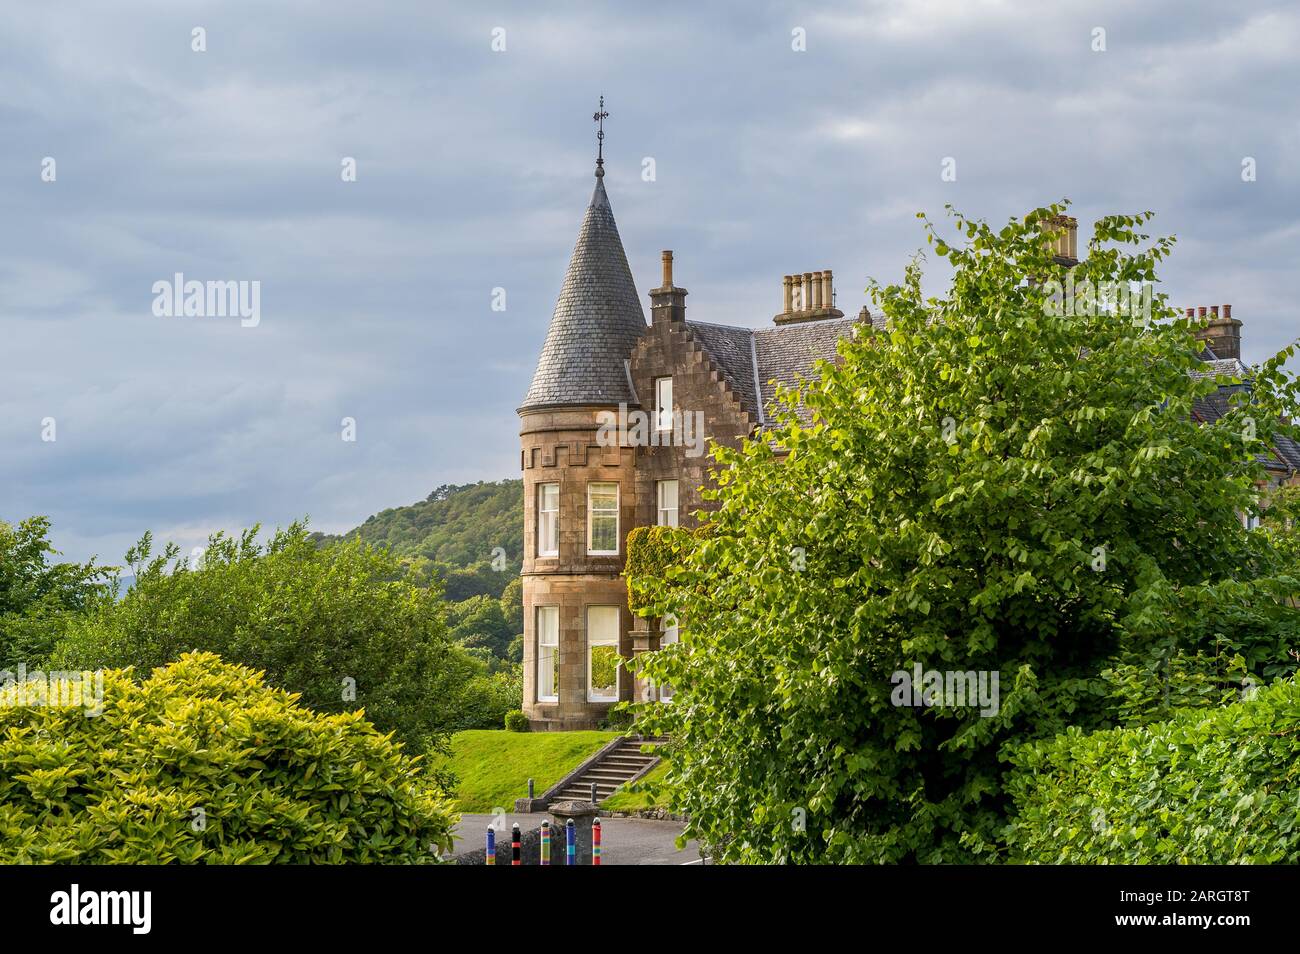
456,524
470,536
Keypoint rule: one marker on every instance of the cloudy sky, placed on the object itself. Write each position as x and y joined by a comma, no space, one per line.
473,170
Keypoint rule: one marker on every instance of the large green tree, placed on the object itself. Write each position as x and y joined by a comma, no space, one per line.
340,624
999,482
37,593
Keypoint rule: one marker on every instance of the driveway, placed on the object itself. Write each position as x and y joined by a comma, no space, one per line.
623,841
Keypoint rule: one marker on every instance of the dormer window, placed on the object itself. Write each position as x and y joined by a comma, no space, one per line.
663,404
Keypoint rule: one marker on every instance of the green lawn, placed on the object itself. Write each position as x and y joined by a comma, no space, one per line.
625,801
493,766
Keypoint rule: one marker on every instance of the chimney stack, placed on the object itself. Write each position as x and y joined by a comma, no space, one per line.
1221,332
668,302
809,296
1063,236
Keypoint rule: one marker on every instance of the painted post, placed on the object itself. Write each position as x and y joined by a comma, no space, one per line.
571,842
593,793
546,843
491,857
595,842
516,845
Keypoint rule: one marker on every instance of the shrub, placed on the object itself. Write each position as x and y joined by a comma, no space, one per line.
203,762
1206,787
516,721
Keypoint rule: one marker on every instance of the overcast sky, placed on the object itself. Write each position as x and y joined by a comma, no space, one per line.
474,167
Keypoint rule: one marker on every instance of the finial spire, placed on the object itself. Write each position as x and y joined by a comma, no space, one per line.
599,117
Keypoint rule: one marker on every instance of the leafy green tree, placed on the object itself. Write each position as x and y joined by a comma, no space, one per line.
202,762
37,594
512,604
999,482
479,621
338,624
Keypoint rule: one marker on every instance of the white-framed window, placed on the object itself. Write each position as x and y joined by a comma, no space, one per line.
602,519
663,404
548,520
666,493
603,661
1250,520
548,654
668,635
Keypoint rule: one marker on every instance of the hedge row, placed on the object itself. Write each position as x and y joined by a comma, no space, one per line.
1206,787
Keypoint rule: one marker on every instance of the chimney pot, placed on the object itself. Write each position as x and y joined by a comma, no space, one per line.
1227,311
787,290
1214,311
668,268
1200,311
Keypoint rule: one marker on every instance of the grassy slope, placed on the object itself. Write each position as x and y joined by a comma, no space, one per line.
494,765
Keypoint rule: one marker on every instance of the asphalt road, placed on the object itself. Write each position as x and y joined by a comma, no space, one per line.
624,841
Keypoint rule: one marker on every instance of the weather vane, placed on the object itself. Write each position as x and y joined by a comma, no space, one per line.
599,117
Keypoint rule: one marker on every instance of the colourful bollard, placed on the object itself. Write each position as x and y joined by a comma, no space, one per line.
491,857
546,843
515,847
571,842
595,842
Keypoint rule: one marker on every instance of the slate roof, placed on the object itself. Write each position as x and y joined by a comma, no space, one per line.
754,360
597,320
1285,453
787,352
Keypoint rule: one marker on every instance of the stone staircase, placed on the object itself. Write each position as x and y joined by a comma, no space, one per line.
609,768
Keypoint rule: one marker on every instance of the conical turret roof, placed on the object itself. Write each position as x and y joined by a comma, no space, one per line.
597,320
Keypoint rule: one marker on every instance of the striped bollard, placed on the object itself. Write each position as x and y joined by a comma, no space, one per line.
571,842
595,842
515,847
546,843
491,857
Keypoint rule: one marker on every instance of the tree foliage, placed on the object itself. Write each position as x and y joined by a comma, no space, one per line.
37,594
993,484
340,625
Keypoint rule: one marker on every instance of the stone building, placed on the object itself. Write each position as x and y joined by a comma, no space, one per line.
669,387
